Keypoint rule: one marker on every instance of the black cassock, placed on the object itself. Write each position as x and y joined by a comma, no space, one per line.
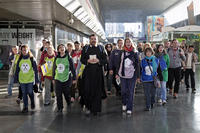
93,78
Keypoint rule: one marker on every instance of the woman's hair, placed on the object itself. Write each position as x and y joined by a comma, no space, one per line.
132,44
29,52
59,47
146,44
109,44
51,46
120,40
148,49
11,51
157,48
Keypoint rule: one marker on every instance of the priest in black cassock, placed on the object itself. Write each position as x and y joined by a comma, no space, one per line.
94,58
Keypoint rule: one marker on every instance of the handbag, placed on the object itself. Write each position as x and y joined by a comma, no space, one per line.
35,88
156,81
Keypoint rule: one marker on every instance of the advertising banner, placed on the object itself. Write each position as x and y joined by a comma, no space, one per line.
155,24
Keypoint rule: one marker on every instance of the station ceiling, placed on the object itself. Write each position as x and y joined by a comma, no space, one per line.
120,11
29,9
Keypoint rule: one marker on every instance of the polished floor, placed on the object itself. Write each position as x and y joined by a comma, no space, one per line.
180,115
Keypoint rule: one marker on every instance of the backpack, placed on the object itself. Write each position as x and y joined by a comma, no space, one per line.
99,46
31,58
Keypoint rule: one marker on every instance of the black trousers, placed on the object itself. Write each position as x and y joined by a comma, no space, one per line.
189,72
20,93
62,88
174,74
73,91
117,87
182,74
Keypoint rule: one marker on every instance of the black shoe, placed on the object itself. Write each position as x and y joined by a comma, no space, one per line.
59,111
25,110
147,109
39,91
187,89
109,92
32,106
46,104
94,114
152,106
194,90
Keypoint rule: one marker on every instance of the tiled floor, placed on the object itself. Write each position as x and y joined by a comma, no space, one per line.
180,115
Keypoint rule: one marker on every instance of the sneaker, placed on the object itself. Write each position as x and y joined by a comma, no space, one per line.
84,108
109,92
59,111
164,102
72,99
152,105
159,101
52,94
25,110
193,90
175,96
147,109
87,112
46,104
39,91
32,106
129,112
123,107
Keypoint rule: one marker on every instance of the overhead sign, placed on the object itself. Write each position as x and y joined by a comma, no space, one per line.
25,36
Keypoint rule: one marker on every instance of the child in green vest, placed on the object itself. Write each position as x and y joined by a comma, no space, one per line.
26,74
63,71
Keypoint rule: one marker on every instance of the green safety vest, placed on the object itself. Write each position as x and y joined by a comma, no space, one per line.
49,62
26,73
62,69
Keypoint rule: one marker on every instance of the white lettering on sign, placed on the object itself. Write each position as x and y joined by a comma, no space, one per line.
25,36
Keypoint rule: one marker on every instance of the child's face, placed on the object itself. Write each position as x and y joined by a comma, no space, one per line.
14,50
50,51
61,49
148,53
160,49
69,48
24,51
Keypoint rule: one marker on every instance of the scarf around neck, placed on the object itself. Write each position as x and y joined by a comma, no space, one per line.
154,64
128,49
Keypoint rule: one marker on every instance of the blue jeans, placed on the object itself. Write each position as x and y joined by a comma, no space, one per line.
162,92
150,92
10,84
27,89
127,91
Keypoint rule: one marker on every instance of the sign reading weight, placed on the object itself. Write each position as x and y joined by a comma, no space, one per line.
9,36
